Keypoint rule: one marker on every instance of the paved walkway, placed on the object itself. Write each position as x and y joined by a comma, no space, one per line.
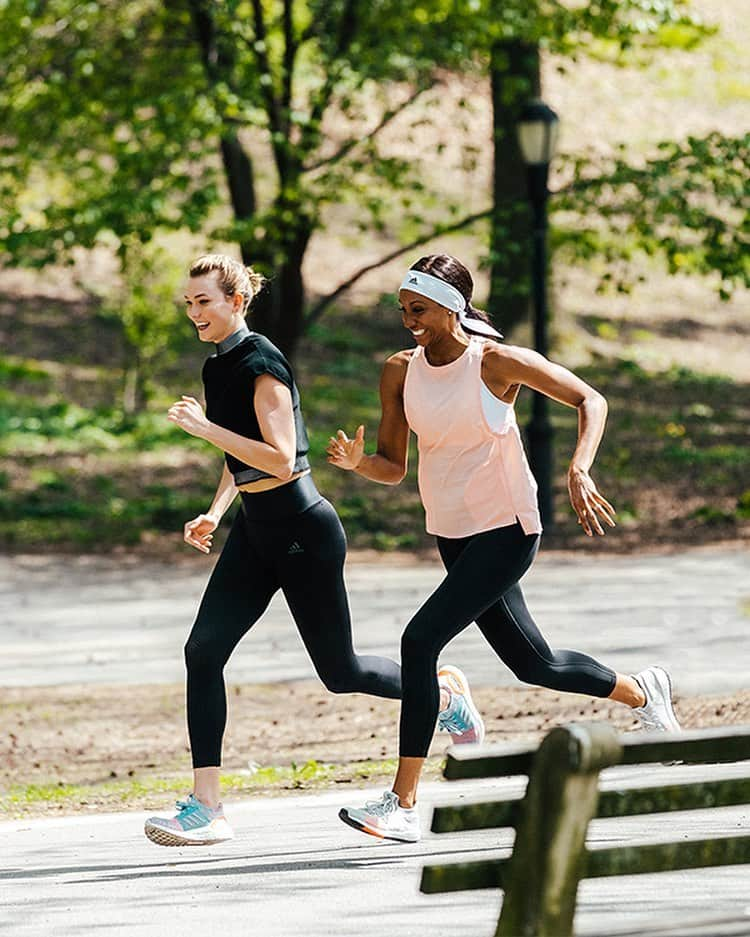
295,869
99,620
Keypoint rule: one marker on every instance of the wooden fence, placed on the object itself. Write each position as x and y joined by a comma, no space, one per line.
540,879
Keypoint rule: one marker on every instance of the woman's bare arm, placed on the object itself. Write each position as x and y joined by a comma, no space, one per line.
275,454
388,464
505,366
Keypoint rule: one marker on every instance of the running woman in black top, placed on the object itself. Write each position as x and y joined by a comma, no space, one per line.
285,536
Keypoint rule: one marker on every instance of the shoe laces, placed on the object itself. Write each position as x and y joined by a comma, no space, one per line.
190,806
383,807
649,718
186,807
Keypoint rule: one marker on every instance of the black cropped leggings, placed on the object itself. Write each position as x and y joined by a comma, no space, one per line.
482,585
291,539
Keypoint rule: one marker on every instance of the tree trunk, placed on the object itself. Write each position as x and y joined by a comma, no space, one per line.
278,311
292,297
240,177
238,168
515,77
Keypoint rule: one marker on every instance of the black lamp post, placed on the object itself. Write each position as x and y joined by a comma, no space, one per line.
537,136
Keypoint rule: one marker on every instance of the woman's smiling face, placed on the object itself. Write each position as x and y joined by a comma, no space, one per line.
214,314
424,318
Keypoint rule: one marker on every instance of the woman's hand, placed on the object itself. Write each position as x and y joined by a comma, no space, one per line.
588,504
199,532
344,452
188,414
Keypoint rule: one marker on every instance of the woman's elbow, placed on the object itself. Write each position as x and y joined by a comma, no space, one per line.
285,471
396,476
601,402
594,401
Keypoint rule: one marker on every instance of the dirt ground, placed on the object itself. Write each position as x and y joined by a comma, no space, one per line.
118,744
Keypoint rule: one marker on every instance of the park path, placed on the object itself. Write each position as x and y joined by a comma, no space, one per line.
294,868
103,620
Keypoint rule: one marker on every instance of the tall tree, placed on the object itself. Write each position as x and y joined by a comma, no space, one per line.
122,119
516,40
244,119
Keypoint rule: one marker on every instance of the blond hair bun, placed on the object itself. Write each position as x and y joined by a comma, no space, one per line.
233,277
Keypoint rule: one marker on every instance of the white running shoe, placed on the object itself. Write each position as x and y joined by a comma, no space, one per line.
384,818
194,825
657,714
461,718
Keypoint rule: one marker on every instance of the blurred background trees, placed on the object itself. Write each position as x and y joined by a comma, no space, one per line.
244,120
142,131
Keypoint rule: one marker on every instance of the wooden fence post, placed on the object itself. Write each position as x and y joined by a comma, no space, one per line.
548,856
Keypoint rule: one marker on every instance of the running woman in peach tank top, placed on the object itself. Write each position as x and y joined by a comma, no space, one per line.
456,390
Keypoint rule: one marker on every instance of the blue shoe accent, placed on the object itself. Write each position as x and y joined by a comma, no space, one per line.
461,718
195,824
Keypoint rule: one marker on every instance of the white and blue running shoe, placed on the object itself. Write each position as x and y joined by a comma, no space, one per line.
461,718
194,825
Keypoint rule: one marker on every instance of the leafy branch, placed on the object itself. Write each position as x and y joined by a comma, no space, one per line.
438,231
388,116
691,204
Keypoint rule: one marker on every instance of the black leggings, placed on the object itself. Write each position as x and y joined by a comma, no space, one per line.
291,539
482,586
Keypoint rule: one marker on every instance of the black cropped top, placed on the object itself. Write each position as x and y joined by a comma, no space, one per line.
229,382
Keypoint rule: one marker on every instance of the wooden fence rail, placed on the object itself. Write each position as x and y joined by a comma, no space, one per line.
549,857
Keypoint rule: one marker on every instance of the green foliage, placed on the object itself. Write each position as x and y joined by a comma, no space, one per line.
80,476
663,430
28,426
743,505
689,204
570,29
709,514
15,371
120,118
106,126
25,799
143,304
51,497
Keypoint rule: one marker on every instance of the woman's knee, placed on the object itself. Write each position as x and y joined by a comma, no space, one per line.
539,672
339,683
416,644
418,667
203,656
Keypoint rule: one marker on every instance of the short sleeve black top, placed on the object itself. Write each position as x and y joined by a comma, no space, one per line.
229,382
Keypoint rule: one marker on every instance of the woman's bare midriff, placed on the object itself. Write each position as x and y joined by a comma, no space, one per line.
268,484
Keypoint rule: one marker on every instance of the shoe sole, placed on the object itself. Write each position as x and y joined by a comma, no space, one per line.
461,677
169,838
357,825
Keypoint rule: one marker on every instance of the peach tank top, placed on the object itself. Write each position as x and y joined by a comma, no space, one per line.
472,477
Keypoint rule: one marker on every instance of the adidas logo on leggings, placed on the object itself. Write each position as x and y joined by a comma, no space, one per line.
295,548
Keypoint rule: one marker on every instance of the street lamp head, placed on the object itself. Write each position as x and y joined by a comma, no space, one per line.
537,133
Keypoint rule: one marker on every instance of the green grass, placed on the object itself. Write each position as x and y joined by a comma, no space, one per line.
28,799
78,474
